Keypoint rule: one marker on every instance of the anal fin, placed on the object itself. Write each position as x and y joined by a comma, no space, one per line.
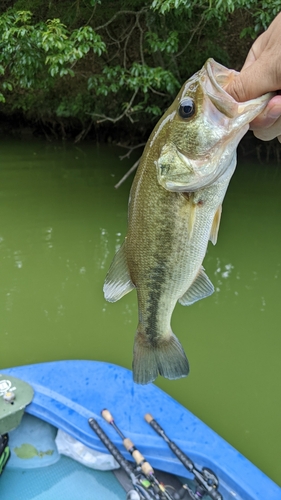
118,281
200,288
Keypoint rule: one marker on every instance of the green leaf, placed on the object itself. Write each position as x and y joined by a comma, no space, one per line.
7,86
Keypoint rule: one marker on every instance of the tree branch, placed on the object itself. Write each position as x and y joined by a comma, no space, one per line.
130,148
132,169
105,118
121,12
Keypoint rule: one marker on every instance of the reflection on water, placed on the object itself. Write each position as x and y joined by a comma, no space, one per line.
104,246
222,273
225,271
48,236
61,222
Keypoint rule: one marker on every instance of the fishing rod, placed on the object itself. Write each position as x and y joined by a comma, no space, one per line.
140,460
207,481
140,485
4,451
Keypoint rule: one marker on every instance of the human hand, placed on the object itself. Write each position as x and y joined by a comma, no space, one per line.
260,74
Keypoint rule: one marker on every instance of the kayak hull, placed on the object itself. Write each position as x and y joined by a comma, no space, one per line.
68,393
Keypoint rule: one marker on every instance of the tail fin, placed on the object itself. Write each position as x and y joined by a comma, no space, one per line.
166,358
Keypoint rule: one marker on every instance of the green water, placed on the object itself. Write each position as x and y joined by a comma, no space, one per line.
61,221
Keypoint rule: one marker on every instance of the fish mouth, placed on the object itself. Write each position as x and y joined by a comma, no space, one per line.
231,117
218,77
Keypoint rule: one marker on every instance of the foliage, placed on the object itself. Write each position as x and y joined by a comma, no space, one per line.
169,45
264,11
139,78
33,55
98,60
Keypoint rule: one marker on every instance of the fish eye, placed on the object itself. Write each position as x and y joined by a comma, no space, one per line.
187,108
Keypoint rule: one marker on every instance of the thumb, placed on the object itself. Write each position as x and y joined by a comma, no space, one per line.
253,81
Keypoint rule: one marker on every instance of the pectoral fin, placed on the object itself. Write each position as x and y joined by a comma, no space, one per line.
215,226
118,282
191,220
200,288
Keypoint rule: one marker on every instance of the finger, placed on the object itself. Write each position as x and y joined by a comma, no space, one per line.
256,50
269,115
250,59
267,134
254,81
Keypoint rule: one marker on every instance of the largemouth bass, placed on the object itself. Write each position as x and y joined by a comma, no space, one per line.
174,210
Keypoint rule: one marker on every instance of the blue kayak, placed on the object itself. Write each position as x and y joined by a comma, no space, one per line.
69,393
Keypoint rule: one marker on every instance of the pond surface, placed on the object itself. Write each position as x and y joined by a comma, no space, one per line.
61,221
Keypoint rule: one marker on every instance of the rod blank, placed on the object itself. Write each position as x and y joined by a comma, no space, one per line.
138,457
189,465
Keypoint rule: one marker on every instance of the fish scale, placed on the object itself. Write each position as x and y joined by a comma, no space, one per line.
174,210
